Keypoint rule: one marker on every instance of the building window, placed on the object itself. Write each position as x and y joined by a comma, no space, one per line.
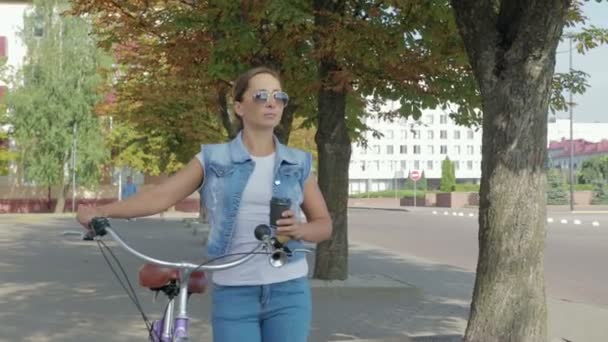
470,134
470,164
403,149
377,165
389,149
443,134
362,166
443,119
416,133
470,150
429,165
376,149
417,164
403,134
389,134
428,119
457,149
416,149
430,149
456,135
443,149
456,164
430,135
403,165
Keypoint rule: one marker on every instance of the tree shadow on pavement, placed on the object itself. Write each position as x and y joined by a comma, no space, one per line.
57,288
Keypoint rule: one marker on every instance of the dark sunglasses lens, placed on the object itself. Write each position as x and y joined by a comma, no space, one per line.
260,96
281,97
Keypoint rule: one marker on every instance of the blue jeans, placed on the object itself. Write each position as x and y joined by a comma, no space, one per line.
270,313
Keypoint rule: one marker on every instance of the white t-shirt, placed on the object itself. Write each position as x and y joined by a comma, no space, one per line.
255,210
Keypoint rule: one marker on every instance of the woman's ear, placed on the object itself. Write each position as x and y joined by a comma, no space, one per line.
238,108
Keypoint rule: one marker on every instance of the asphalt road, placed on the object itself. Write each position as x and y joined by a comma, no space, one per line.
575,256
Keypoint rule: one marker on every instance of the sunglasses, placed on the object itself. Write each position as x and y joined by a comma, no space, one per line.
263,96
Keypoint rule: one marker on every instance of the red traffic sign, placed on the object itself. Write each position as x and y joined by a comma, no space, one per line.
415,175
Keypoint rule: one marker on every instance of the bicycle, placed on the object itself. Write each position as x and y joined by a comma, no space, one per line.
178,279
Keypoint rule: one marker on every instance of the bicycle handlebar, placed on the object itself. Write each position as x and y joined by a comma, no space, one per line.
101,226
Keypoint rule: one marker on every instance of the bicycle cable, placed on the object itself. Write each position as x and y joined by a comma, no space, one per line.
131,291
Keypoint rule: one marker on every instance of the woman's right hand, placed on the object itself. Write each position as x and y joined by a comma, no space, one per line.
85,214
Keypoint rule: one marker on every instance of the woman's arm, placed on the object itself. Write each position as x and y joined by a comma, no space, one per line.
152,201
318,227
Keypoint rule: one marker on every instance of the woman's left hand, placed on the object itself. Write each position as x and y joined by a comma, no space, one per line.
289,225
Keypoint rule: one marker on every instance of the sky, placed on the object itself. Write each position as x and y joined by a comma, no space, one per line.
591,106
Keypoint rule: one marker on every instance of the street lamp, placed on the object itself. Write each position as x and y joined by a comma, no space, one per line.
570,105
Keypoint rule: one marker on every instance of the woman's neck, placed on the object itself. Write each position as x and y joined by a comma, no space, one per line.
258,143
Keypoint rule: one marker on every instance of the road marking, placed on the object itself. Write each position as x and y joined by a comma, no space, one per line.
460,214
550,219
445,213
564,221
471,215
455,213
434,212
595,224
577,221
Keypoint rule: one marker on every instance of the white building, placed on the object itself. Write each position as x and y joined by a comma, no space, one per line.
414,145
422,145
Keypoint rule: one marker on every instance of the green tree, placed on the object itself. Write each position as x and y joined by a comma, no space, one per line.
600,192
557,192
51,99
6,156
448,176
511,47
594,170
338,58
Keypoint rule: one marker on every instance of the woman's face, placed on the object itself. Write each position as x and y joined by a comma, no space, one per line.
262,103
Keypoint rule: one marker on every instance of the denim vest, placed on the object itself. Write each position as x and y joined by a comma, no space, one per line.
227,170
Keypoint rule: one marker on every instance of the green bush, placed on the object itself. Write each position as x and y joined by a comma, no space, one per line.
466,187
390,193
583,187
600,195
556,188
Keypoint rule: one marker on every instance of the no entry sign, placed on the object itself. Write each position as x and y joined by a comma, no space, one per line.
415,175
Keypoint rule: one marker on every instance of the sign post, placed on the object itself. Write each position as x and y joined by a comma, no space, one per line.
415,177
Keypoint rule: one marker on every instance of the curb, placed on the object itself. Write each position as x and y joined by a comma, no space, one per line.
380,208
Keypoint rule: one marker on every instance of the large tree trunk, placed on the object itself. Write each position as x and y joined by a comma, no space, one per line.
334,147
512,53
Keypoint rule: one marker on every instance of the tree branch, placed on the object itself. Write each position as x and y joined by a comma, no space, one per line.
476,20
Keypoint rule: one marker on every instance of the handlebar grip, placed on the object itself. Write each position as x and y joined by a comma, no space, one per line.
99,225
262,232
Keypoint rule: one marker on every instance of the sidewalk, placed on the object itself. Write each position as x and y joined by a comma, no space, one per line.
58,289
409,296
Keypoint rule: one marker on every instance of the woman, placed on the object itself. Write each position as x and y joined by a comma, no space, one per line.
254,301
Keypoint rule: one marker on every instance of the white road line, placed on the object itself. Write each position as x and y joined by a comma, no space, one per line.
577,221
550,219
595,224
460,214
434,212
564,221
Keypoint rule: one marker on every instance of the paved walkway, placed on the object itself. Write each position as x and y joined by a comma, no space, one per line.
56,289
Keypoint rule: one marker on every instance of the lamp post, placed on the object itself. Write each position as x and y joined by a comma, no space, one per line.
570,105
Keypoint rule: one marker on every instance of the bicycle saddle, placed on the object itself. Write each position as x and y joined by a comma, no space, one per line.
153,276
